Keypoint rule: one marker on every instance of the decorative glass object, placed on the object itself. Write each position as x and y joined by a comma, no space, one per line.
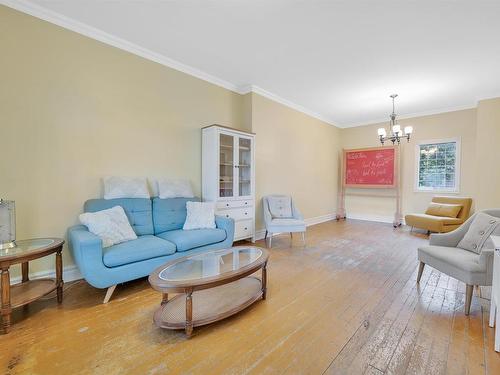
7,224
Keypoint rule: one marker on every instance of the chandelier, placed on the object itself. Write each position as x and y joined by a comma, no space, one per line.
395,133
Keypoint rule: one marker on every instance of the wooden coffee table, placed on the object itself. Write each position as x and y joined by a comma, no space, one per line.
214,285
28,290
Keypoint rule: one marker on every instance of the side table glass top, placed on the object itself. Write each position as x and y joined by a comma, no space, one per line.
24,247
210,264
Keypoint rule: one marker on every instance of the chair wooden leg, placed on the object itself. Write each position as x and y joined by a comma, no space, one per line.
304,238
109,293
270,240
468,298
420,271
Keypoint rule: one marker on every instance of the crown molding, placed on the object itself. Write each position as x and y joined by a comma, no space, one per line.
409,116
269,95
104,37
97,34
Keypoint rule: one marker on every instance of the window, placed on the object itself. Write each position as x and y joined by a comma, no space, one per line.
438,165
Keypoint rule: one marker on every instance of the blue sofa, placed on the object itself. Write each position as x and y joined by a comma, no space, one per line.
158,224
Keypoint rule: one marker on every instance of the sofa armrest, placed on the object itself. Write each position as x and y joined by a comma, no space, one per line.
227,224
296,213
265,212
486,260
450,239
86,248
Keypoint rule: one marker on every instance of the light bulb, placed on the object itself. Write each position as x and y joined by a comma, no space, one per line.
396,129
381,132
408,129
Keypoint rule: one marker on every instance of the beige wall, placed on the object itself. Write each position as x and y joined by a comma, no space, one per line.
488,154
296,155
73,110
445,125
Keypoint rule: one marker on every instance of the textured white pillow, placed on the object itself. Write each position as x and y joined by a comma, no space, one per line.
280,207
480,230
200,215
174,188
111,225
125,187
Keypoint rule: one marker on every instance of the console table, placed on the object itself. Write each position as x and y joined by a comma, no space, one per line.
28,290
495,293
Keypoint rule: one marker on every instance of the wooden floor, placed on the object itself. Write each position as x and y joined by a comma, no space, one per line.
347,303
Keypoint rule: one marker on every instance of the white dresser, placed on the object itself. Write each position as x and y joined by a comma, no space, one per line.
228,176
495,293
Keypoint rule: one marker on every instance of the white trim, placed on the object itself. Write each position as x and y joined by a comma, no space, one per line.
259,234
458,171
70,273
104,37
269,95
410,115
370,217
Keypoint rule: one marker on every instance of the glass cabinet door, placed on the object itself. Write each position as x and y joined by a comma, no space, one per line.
226,165
244,166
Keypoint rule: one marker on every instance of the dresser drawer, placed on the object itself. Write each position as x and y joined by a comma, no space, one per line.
237,213
243,229
234,204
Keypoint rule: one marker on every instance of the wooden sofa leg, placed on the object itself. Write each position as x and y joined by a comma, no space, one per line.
468,298
109,293
420,271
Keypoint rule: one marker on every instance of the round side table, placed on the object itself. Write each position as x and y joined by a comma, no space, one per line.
28,290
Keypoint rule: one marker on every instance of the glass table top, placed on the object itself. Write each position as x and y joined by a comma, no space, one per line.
25,247
210,264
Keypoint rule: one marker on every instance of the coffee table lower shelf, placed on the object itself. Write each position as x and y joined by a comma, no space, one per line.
210,305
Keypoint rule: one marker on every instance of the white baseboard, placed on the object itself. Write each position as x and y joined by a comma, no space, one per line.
259,234
370,217
70,273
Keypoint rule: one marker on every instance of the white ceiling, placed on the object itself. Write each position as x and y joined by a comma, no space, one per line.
338,60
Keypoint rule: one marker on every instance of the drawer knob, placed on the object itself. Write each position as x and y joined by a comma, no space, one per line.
246,213
227,204
227,215
246,228
246,202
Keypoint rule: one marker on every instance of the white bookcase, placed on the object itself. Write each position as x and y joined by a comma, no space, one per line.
228,176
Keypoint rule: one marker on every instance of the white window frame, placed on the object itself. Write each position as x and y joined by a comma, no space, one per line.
456,189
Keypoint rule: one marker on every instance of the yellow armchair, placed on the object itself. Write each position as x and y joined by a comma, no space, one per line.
434,221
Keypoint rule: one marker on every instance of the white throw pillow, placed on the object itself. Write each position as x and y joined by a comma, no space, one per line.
480,230
174,188
280,207
125,187
111,225
200,215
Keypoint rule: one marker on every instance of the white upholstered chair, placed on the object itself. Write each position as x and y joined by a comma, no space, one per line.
281,215
469,267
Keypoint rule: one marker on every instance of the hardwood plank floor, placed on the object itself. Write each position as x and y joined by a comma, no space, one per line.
347,303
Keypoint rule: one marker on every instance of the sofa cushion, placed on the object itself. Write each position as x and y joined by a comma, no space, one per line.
430,222
111,225
170,213
280,206
454,261
190,239
143,248
480,230
443,209
138,211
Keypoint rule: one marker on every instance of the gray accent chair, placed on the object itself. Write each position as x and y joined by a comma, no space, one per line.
471,268
292,224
